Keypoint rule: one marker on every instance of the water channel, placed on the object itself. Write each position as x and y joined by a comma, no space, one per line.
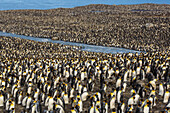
85,47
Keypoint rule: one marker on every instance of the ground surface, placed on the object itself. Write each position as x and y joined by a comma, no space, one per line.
141,27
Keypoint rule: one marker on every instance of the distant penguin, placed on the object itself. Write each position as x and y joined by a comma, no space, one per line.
29,90
97,109
129,109
24,100
138,71
118,83
28,102
20,96
133,92
154,100
91,109
71,93
90,85
66,98
168,106
50,104
166,97
73,111
61,109
80,88
12,106
13,87
47,101
120,108
98,95
15,92
8,103
106,107
42,97
112,103
131,101
36,95
84,96
161,89
119,96
146,109
142,92
110,72
2,99
98,103
123,107
137,97
124,86
152,85
73,102
80,103
61,102
125,76
33,108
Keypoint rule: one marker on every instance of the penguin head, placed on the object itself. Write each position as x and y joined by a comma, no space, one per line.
148,102
92,98
13,109
141,100
88,96
10,101
167,108
98,106
113,110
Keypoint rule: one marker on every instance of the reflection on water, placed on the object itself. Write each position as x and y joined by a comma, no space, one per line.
85,47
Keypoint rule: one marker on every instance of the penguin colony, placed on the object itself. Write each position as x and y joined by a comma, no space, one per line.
143,27
41,77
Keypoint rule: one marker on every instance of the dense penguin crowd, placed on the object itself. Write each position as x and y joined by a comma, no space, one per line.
41,77
143,27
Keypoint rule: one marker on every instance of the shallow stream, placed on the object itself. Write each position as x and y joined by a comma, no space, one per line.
85,47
